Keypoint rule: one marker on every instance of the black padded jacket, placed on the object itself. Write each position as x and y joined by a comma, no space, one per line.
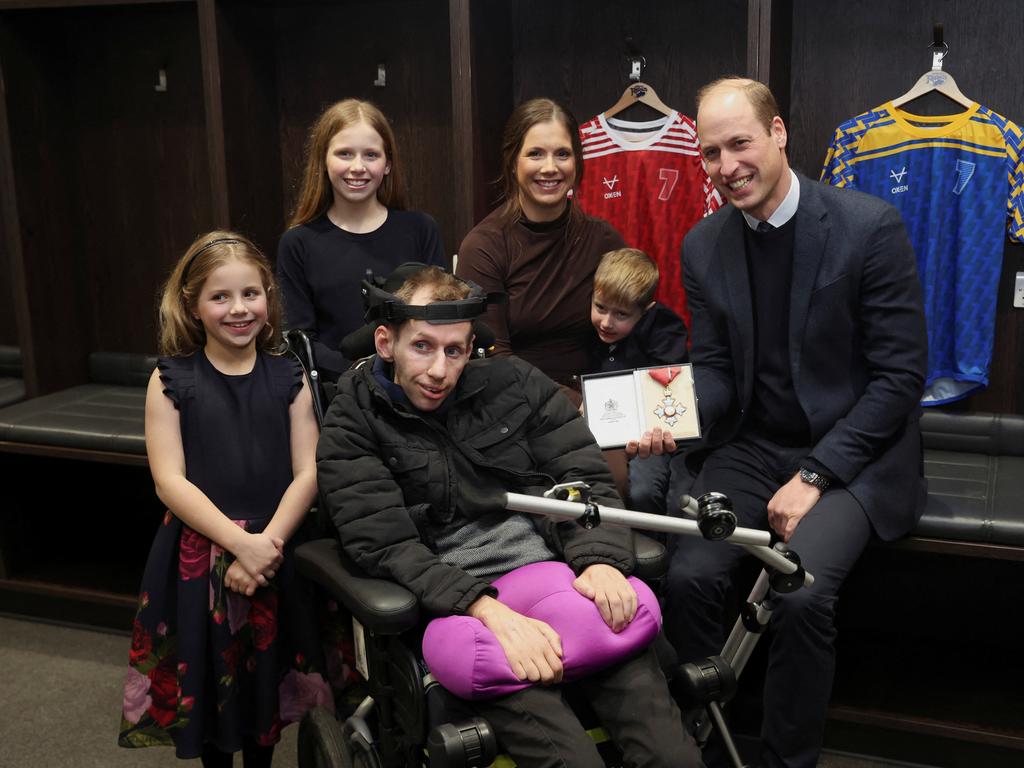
389,477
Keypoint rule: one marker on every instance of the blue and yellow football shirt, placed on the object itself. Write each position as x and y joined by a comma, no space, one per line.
957,181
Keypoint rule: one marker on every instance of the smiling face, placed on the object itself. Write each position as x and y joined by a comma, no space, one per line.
232,306
356,163
428,358
745,160
545,171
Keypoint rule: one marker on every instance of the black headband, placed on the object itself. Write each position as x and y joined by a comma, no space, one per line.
204,249
384,307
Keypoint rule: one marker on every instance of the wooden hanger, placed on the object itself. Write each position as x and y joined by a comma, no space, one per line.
936,79
638,93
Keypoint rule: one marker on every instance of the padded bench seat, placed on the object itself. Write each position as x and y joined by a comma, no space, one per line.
12,388
102,420
974,463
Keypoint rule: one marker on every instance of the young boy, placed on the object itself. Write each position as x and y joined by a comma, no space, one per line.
635,331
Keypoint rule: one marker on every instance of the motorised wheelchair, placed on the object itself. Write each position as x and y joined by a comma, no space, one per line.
407,719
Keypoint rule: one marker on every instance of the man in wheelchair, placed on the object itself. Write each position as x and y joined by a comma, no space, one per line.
418,449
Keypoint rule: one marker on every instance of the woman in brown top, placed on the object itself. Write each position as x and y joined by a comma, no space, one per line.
538,247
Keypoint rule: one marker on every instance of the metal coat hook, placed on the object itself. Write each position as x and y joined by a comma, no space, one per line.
382,76
161,81
939,48
636,68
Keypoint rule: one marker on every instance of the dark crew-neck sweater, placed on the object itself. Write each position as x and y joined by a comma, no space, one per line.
774,409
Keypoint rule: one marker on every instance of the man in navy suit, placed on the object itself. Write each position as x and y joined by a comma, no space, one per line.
809,355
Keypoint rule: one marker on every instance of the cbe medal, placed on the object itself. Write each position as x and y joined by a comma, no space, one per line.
668,409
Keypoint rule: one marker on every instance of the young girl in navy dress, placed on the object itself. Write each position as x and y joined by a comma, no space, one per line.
222,652
350,217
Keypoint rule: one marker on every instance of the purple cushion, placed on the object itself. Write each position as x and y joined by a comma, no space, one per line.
467,659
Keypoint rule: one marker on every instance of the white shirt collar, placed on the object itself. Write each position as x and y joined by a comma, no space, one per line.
785,211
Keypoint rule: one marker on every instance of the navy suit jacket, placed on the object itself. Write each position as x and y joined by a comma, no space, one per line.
857,342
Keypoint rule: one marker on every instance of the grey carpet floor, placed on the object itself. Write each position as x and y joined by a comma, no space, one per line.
60,704
60,701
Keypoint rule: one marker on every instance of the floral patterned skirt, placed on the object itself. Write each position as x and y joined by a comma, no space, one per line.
211,665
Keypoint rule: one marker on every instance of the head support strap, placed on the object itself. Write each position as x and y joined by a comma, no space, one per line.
385,307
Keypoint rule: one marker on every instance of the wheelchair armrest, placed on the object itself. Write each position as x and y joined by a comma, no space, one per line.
651,558
383,607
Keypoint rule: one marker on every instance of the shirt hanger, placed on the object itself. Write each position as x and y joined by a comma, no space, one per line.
640,93
936,79
637,92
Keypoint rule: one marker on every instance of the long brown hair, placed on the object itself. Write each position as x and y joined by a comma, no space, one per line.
181,332
522,119
316,194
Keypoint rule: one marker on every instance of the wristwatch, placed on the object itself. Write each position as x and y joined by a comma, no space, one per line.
813,478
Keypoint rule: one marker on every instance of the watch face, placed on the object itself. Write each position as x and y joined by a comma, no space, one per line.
813,478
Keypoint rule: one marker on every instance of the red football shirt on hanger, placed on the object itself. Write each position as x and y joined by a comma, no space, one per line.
648,180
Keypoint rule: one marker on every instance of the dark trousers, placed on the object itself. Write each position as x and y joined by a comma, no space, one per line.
829,540
253,756
537,728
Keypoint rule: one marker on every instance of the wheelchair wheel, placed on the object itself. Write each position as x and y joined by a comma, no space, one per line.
359,743
320,741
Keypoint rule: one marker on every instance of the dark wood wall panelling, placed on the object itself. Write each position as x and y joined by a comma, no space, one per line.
481,102
578,55
8,293
12,293
249,92
111,176
848,59
34,112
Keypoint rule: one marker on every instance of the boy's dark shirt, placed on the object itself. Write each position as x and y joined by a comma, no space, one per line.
658,338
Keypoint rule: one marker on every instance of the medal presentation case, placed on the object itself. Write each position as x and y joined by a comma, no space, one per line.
622,405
